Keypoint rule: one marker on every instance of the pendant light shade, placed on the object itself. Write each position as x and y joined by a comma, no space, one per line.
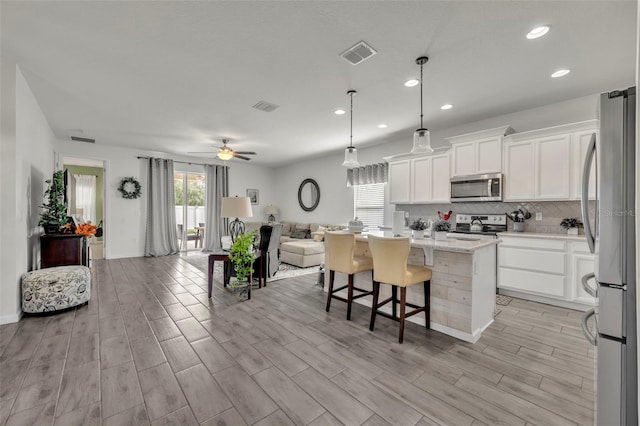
351,153
421,137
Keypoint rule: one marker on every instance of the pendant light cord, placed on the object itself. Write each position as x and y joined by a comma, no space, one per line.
351,128
421,115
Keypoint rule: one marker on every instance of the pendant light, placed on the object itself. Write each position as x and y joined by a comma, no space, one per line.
421,137
351,153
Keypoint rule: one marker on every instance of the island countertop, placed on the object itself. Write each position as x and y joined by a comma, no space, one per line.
451,244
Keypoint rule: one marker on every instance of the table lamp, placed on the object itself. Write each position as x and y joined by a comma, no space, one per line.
236,207
271,210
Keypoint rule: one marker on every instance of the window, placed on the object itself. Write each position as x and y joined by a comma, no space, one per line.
368,204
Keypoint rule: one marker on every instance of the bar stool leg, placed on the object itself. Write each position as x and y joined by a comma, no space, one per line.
374,305
427,304
403,305
394,300
349,296
332,275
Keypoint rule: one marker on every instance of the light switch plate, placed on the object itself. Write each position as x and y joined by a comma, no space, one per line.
538,215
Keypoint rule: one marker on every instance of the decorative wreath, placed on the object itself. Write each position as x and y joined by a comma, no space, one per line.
130,194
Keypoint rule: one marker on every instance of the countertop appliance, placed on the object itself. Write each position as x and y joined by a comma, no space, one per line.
476,188
612,237
480,224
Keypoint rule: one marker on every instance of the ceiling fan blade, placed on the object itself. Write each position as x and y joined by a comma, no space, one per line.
245,152
241,157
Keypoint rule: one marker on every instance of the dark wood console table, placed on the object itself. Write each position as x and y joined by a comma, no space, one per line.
63,249
223,256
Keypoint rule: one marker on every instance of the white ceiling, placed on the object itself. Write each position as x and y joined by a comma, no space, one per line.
177,76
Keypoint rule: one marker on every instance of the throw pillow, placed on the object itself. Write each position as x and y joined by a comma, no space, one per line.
319,234
287,227
299,234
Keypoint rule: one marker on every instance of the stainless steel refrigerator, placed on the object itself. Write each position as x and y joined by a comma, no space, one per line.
611,236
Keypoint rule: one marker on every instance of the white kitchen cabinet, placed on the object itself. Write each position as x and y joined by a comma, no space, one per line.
399,178
546,164
478,152
582,263
519,175
552,174
545,269
420,180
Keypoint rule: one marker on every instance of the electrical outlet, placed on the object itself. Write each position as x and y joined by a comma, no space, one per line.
538,215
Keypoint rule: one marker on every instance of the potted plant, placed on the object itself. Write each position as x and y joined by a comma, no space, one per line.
54,215
441,228
418,226
571,224
242,255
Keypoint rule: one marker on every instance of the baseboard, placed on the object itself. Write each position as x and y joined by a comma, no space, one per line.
419,319
8,319
546,300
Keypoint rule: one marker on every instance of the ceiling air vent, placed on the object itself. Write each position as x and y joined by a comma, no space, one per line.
79,139
265,106
358,53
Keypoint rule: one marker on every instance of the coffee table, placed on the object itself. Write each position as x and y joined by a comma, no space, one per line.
223,256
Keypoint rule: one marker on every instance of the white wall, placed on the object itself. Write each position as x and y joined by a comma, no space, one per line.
336,200
27,161
125,220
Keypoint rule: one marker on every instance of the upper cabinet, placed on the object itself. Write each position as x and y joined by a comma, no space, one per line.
478,152
546,164
421,180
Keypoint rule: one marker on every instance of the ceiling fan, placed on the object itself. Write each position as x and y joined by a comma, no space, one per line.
225,153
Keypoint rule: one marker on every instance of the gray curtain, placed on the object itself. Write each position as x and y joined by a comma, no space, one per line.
366,175
217,184
161,238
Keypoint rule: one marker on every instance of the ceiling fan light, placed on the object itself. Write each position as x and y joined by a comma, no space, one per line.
351,158
225,154
421,142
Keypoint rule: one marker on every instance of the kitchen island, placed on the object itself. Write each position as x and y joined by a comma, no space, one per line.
463,283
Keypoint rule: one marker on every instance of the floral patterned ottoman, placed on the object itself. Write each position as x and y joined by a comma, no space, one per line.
53,289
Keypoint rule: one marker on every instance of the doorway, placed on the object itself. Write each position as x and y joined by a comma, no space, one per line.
89,203
190,209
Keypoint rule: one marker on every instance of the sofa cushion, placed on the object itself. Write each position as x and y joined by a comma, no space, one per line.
302,226
287,227
318,235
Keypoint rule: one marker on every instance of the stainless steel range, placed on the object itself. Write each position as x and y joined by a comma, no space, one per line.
480,224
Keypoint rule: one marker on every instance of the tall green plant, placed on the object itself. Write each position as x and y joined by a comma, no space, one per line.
242,256
55,212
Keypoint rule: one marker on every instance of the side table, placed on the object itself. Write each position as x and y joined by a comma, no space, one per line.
223,256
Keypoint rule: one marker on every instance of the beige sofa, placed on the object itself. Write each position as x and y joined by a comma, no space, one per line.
301,244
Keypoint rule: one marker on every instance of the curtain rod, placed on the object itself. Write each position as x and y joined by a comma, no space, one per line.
183,162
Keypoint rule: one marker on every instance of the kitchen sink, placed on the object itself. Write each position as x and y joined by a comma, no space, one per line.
465,238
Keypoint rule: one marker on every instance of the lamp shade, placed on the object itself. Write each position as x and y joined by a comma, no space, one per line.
271,209
351,158
421,142
236,207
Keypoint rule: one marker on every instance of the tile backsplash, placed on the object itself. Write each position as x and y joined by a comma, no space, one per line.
552,212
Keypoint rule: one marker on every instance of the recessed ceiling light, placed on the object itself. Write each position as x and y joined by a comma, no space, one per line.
411,83
538,32
560,73
446,106
339,112
382,126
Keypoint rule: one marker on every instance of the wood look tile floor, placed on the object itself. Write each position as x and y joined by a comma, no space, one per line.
150,348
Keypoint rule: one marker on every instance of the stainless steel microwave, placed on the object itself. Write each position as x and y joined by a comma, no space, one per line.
476,188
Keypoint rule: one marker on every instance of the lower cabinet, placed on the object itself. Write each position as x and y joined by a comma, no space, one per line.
63,249
544,269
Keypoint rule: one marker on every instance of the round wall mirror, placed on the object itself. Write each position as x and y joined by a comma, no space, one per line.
309,195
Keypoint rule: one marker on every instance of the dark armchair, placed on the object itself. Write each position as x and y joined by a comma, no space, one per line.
269,242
